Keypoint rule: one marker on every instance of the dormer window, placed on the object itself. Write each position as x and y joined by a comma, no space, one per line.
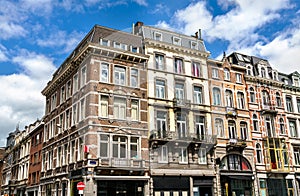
117,45
249,71
194,45
104,42
177,41
123,46
157,36
296,82
134,49
263,72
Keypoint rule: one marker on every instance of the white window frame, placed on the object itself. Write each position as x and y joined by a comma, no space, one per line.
177,41
198,95
178,66
160,89
120,71
196,69
226,74
183,155
159,60
135,107
163,154
103,103
120,108
104,69
202,159
238,77
200,127
232,130
181,125
134,77
241,100
75,83
216,96
244,130
83,75
102,41
157,36
215,73
179,91
194,45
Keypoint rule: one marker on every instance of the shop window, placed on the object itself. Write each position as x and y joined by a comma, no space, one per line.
263,187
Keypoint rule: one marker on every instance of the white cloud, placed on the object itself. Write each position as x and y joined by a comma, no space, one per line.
141,2
3,54
38,7
67,41
21,99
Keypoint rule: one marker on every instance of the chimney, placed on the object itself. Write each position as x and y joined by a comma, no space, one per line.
200,35
139,24
196,35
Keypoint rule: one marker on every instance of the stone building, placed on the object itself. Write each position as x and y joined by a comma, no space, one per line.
96,121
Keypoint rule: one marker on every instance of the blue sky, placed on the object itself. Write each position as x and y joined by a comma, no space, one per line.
37,35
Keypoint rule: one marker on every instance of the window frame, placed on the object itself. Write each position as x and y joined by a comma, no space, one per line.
104,79
160,89
121,72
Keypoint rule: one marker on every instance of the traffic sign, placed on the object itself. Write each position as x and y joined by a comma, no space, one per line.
80,186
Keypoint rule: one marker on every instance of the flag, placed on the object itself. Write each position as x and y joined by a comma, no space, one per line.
86,149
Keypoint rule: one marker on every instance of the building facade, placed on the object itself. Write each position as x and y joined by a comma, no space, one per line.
96,119
148,113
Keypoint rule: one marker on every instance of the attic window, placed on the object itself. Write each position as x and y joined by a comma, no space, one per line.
104,42
117,45
194,45
134,49
240,57
177,41
157,36
296,82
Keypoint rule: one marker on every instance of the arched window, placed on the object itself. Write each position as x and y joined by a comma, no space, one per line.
216,96
235,162
219,127
231,129
282,127
265,98
252,95
229,98
226,74
240,100
255,122
258,153
278,100
249,71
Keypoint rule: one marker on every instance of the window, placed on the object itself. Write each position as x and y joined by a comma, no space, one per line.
123,46
263,72
215,73
160,89
117,45
104,72
238,78
74,114
119,108
289,104
62,94
103,109
163,154
104,42
119,148
269,125
179,91
297,156
290,187
59,159
296,82
134,77
265,98
197,94
241,100
75,83
104,142
226,74
196,69
231,130
53,101
234,162
67,123
216,96
134,110
183,155
83,76
278,99
229,98
258,153
157,36
298,104
161,122
194,45
177,41
69,89
200,127
263,187
82,109
134,147
244,131
120,75
202,156
134,49
178,66
293,128
219,128
181,125
252,95
281,125
159,62
249,71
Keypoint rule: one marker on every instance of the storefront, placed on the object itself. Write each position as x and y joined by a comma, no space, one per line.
203,186
171,185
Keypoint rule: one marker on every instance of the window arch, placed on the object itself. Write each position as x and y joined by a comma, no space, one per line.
229,98
265,97
282,126
216,96
252,95
235,162
278,99
240,100
255,122
258,153
232,129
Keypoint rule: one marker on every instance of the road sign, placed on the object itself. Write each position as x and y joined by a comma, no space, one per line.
80,186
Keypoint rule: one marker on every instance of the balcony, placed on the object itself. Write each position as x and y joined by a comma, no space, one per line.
161,135
236,145
122,163
268,108
181,103
231,112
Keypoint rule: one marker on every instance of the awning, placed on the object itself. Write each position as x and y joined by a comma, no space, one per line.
241,176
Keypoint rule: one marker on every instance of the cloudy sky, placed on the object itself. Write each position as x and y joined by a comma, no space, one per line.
37,35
